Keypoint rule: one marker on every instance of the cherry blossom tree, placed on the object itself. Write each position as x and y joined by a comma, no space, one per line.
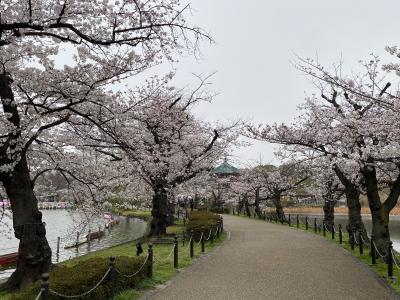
163,141
42,86
354,124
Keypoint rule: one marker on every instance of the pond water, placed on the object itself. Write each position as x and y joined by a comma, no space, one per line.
394,225
66,224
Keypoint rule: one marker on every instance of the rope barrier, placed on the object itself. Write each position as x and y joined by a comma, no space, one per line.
377,251
165,259
137,272
355,239
201,236
363,241
209,235
39,295
85,293
394,259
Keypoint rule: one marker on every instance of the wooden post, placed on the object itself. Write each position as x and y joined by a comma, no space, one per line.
340,234
175,252
333,231
373,250
306,222
44,287
360,242
351,238
77,238
150,253
289,221
315,225
202,241
324,227
191,244
218,228
112,275
212,235
58,245
390,259
297,222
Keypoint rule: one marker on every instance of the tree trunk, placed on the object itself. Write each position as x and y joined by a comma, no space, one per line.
257,204
329,213
159,212
240,204
247,206
34,256
279,208
380,211
34,253
171,214
353,203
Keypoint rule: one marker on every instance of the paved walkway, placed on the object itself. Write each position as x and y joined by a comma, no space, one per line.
268,261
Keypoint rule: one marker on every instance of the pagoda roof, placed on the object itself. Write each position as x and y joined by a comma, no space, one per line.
225,169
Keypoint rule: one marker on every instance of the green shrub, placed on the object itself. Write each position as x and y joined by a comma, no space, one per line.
221,210
202,221
85,275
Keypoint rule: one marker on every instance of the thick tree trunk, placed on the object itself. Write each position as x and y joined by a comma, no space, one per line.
34,253
171,214
329,213
352,193
380,211
159,212
240,204
34,256
279,209
355,223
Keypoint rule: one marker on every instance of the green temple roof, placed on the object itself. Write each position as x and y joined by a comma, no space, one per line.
225,169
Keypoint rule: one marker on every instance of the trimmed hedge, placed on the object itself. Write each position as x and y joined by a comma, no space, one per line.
201,221
85,275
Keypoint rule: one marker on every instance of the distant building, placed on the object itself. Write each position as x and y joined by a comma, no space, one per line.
225,169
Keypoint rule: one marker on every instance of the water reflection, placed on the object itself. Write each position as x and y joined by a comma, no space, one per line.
61,223
394,225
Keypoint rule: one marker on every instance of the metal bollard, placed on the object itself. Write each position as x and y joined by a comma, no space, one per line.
340,234
289,221
112,275
44,287
333,231
191,244
297,222
150,253
306,222
202,241
175,252
315,225
373,250
390,259
360,242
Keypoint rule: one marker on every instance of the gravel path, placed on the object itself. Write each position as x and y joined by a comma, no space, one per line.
267,261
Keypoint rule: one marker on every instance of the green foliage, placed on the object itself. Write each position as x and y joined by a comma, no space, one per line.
79,278
221,210
141,214
201,221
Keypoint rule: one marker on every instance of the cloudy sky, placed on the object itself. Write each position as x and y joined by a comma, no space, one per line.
255,41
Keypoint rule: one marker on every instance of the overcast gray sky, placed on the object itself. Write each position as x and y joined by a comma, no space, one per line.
256,39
